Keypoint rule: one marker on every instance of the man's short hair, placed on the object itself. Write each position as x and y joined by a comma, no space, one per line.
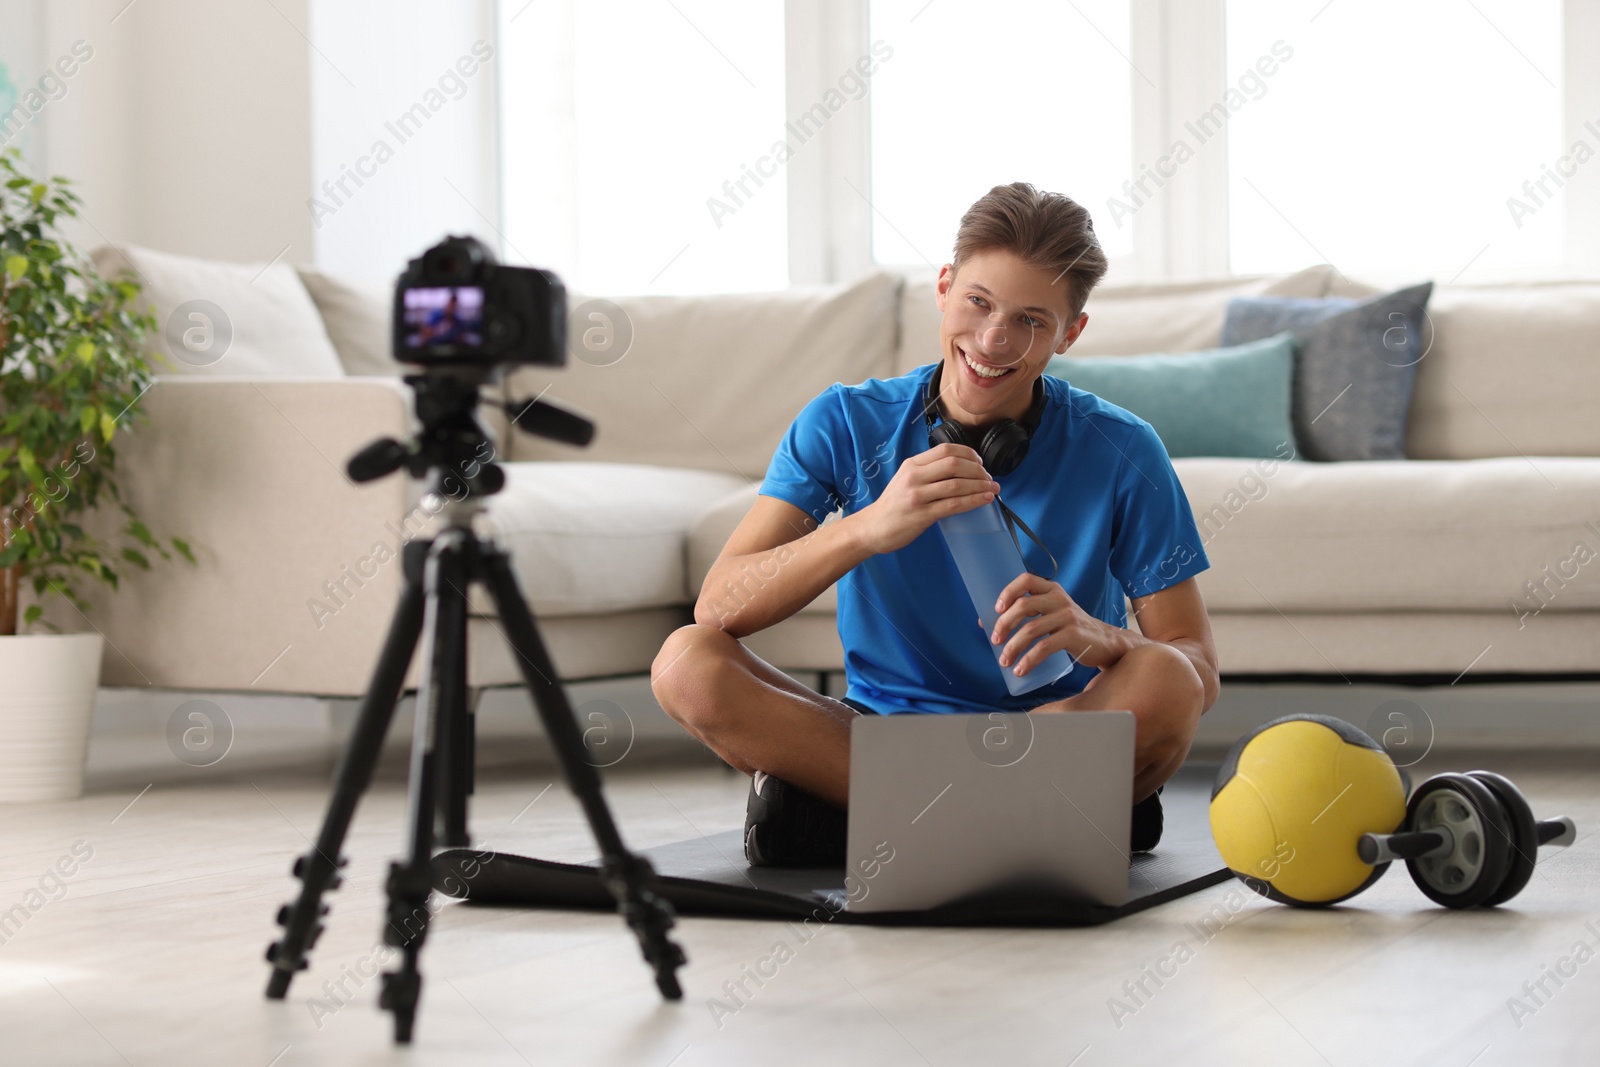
1046,230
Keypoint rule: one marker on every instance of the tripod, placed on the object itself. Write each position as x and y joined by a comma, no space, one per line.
433,607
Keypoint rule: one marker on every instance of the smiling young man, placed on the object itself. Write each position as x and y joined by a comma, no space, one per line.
1095,485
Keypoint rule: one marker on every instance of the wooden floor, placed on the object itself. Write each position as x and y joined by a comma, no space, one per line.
152,953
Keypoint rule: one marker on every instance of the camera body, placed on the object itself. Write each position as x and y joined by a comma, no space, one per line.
456,306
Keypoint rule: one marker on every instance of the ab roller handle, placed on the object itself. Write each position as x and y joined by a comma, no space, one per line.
1431,844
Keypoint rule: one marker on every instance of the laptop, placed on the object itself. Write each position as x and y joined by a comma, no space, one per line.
952,808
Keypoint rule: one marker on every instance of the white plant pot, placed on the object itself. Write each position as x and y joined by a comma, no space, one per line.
47,688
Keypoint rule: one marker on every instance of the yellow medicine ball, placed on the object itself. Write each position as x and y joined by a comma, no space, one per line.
1292,799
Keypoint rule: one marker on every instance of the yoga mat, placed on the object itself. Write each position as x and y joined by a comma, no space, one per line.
708,876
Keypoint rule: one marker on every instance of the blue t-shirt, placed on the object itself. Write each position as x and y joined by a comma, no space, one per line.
1096,487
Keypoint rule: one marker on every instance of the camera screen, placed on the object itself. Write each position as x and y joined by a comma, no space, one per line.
443,315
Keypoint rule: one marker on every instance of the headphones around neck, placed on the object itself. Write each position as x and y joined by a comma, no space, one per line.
1003,445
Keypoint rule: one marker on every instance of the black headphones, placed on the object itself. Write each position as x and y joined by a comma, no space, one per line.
1004,445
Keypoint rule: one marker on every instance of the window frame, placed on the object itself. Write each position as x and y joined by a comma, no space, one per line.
830,224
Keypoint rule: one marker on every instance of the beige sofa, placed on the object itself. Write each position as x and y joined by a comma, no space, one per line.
1477,555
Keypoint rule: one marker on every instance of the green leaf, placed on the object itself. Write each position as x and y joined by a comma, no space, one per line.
36,194
29,465
108,425
33,614
16,266
85,352
136,558
141,533
12,554
183,549
87,418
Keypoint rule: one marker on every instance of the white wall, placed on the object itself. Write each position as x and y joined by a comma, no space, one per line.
206,128
374,62
186,127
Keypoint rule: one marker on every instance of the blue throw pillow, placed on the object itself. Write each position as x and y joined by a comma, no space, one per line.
1356,366
1223,402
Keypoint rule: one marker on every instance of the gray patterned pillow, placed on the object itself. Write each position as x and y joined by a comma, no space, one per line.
1354,370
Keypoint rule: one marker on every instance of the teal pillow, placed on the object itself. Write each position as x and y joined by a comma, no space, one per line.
1220,402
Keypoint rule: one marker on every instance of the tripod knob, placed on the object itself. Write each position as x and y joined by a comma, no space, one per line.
285,912
272,956
381,457
546,418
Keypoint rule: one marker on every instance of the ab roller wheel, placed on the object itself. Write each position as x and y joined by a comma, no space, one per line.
1470,839
1309,811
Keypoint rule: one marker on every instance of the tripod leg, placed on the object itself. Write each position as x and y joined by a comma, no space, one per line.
628,877
318,870
410,883
455,733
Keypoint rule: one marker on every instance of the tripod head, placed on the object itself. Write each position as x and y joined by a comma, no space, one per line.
452,441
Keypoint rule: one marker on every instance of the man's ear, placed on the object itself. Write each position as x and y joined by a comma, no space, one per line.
1073,331
941,290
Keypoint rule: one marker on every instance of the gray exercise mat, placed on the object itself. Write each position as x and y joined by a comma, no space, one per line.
708,876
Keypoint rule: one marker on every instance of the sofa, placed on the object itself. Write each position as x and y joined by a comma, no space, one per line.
1477,554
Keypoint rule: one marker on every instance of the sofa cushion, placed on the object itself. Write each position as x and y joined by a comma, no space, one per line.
357,317
1472,535
1355,368
1487,536
712,382
245,320
1222,402
1510,370
591,538
1124,320
712,530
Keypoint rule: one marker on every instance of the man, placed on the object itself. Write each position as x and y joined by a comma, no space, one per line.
1095,485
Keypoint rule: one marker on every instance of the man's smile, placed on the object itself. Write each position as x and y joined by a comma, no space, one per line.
980,371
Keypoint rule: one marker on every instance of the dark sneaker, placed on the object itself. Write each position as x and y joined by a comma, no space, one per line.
1146,833
784,826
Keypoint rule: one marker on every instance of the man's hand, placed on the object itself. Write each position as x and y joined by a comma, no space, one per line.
1032,608
945,480
1167,676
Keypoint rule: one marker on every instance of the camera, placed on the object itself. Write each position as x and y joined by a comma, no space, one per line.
465,318
455,305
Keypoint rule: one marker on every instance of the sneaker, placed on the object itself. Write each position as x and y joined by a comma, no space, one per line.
1146,833
784,826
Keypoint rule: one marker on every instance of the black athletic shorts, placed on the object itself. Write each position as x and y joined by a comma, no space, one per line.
862,708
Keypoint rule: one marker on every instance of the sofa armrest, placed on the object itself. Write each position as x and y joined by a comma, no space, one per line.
297,566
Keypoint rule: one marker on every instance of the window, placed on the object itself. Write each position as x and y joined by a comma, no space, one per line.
636,143
718,145
973,97
1398,137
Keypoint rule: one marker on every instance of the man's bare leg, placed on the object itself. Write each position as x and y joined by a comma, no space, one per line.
752,714
758,718
1154,681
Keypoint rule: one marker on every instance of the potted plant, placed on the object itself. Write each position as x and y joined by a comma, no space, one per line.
72,369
